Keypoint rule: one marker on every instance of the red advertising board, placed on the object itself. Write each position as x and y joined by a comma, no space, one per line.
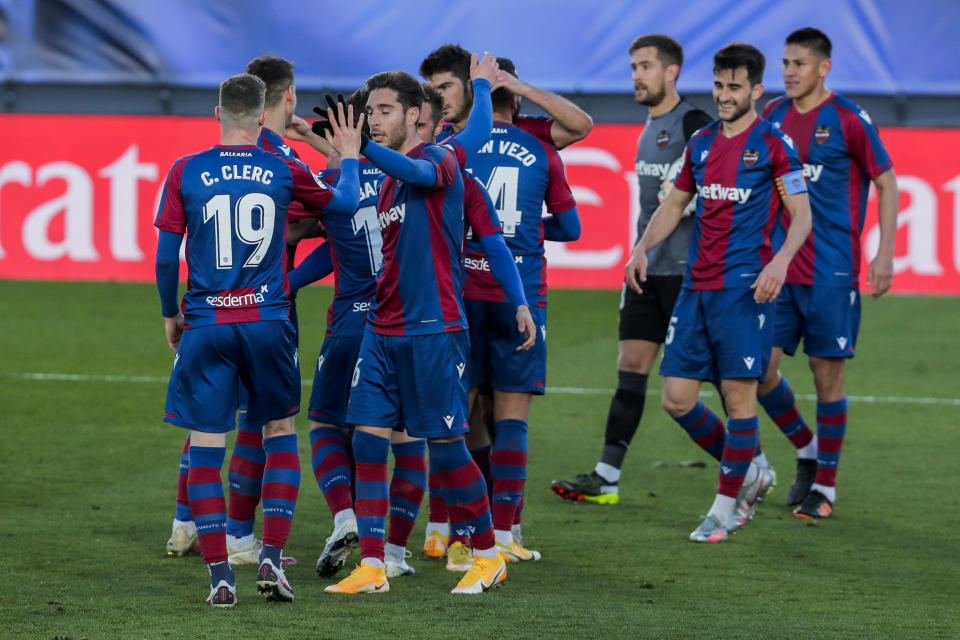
78,195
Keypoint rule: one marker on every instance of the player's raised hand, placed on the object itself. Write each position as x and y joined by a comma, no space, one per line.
485,68
299,129
636,269
507,81
880,274
768,284
174,329
346,133
526,326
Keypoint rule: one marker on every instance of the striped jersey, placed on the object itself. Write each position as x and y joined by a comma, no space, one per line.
738,182
841,153
233,203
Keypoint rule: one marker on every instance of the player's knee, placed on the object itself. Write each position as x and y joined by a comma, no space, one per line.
828,378
676,404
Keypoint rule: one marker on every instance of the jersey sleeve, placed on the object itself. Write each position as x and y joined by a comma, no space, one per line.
308,190
684,180
864,144
171,216
784,158
537,126
445,161
478,208
787,170
458,150
559,197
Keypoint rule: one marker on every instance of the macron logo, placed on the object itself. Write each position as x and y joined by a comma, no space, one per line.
320,361
461,367
720,192
448,420
842,342
749,362
763,319
704,154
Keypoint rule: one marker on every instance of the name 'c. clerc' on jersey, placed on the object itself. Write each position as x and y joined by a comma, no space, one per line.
234,233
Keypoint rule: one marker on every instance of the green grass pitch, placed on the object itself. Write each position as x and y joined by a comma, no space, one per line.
88,474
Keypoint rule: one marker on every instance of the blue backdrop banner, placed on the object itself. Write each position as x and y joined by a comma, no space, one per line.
880,46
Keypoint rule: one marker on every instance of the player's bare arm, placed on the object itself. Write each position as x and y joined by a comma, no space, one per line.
300,130
880,274
526,326
768,284
570,122
485,68
664,220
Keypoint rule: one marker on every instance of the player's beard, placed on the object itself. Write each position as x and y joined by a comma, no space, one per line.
740,109
396,136
653,98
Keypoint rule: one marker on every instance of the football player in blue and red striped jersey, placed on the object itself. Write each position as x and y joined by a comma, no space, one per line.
247,459
743,170
234,326
566,123
413,356
842,154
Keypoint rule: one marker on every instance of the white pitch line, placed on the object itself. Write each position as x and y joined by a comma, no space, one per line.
579,391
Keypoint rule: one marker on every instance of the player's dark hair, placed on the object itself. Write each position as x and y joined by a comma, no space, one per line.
737,55
501,97
409,92
813,39
669,50
359,101
275,72
449,57
431,97
241,96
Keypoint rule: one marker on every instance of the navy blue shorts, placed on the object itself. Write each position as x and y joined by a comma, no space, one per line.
718,335
494,339
331,379
213,362
418,382
826,318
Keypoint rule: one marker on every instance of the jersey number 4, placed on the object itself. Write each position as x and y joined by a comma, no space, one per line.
218,210
502,187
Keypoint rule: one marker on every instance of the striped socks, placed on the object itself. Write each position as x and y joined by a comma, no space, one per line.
407,487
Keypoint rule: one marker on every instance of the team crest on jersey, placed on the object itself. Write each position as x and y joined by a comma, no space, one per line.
822,134
750,157
663,138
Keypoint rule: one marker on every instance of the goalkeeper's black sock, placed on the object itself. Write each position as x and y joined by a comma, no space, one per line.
626,409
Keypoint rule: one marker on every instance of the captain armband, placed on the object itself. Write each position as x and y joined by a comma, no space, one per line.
791,184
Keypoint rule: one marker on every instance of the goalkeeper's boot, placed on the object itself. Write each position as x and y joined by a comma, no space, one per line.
590,487
183,540
815,505
806,472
